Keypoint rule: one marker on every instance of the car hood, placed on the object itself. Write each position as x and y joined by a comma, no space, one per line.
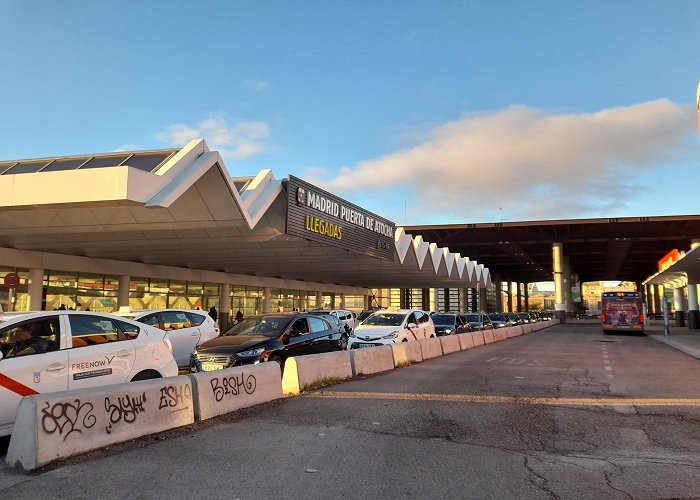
375,331
233,343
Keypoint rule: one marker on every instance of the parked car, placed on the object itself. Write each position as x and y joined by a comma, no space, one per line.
525,317
187,328
479,321
499,320
267,337
389,327
517,320
342,328
347,317
450,324
51,351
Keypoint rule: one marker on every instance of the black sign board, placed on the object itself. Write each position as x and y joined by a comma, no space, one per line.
317,215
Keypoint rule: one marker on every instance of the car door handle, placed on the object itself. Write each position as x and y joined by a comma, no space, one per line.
55,367
194,334
123,353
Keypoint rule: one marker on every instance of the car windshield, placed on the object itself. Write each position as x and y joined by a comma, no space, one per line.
268,326
473,317
497,317
385,319
443,319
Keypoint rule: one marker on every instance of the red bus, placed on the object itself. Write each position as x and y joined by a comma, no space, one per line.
622,311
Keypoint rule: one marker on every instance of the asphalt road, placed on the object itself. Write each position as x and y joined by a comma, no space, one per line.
477,424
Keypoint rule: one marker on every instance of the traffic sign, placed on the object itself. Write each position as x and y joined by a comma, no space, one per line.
12,280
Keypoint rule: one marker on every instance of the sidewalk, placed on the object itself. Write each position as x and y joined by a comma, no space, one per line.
681,338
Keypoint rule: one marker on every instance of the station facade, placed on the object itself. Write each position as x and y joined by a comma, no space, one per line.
171,228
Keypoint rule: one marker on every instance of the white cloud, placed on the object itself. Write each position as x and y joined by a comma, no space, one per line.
236,140
125,147
257,85
530,163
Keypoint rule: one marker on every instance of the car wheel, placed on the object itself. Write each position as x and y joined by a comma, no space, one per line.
146,375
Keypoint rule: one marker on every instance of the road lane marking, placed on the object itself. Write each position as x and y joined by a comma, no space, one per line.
474,398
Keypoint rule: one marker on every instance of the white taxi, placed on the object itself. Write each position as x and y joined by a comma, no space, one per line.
186,328
389,327
50,351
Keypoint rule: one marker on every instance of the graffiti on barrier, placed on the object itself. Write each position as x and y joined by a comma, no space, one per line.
175,397
67,418
222,386
126,408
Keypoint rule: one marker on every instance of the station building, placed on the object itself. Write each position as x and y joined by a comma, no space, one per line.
171,228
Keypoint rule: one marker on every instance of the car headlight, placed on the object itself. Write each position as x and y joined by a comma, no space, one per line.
448,331
251,353
392,335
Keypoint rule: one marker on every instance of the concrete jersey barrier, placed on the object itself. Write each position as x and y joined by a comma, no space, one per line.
488,336
302,371
466,341
223,391
515,331
450,344
406,352
372,360
58,425
478,338
500,334
431,348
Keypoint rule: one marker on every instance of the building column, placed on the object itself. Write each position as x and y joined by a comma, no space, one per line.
123,291
693,314
224,318
510,296
462,300
527,298
319,299
342,301
520,298
568,294
475,300
482,300
557,265
266,300
658,298
678,306
36,289
499,298
365,302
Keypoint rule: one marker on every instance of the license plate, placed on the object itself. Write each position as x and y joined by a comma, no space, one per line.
366,345
210,367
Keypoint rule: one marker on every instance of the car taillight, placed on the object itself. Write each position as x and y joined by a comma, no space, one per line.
641,318
602,317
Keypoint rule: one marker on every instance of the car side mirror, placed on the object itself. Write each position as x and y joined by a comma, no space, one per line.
411,325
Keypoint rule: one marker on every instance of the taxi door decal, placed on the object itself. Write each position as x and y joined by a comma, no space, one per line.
15,386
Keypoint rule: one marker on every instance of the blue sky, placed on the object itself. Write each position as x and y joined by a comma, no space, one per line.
422,111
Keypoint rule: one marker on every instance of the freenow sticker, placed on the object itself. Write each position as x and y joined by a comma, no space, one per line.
91,374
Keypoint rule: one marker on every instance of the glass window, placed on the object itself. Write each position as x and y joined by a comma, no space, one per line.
174,320
93,330
148,161
105,161
151,319
318,325
130,330
412,319
196,319
301,326
67,164
30,337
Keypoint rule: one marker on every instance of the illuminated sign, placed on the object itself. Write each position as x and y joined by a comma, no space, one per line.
317,215
669,259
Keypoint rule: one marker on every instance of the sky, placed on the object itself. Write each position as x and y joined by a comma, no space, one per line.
424,112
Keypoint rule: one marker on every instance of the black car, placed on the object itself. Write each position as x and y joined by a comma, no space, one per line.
341,326
450,324
268,337
478,321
